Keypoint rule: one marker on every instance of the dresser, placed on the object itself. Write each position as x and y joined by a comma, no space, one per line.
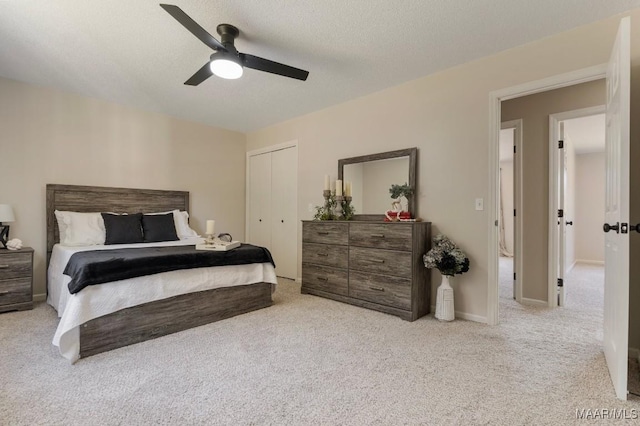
375,265
16,279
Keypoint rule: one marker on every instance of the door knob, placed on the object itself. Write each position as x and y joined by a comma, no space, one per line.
606,227
635,227
569,222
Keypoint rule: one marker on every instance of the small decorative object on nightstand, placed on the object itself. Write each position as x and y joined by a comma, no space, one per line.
16,279
6,215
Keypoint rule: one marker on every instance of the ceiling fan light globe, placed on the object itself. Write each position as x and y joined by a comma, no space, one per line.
226,68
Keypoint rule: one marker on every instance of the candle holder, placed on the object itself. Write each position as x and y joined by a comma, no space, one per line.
210,238
327,199
339,199
347,209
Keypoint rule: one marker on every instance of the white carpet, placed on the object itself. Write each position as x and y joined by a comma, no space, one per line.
307,360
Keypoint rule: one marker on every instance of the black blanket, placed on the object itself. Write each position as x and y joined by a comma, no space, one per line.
101,266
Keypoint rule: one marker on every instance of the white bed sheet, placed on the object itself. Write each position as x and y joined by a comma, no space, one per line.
98,300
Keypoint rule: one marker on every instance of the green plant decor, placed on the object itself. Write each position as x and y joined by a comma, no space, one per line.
398,191
326,212
348,210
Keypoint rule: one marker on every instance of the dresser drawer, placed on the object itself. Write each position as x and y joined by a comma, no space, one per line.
390,262
15,291
15,265
326,233
324,278
391,236
381,289
325,254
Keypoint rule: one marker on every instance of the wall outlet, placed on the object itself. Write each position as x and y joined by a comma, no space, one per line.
479,203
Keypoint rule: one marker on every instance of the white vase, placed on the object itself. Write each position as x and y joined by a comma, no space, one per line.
444,301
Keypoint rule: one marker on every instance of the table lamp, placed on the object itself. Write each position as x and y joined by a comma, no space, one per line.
6,215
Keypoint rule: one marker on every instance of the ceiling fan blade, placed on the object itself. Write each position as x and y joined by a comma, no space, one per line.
193,27
201,75
266,65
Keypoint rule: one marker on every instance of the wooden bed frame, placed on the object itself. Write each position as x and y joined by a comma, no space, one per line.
153,319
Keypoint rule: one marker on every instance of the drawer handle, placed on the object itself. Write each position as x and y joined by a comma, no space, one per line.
323,254
323,233
377,288
323,279
377,260
4,266
4,292
377,235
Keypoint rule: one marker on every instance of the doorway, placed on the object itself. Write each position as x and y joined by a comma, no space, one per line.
577,141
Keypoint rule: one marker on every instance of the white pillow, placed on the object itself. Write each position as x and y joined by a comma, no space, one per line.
181,221
80,229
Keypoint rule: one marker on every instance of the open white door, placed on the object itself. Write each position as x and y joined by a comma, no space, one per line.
616,288
562,229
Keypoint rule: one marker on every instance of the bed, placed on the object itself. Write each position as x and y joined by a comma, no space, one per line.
116,314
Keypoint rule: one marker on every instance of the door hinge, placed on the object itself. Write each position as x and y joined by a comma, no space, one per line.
514,212
514,149
514,276
560,213
560,144
496,222
560,282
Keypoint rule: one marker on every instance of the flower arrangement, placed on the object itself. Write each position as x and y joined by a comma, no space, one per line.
446,257
325,212
398,191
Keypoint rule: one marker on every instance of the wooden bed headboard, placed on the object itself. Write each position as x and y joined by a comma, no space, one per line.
103,199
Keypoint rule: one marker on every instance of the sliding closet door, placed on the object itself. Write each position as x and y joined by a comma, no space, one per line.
260,200
284,228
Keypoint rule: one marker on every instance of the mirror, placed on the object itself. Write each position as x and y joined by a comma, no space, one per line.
371,176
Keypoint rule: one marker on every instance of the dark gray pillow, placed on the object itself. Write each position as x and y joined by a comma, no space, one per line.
159,227
123,229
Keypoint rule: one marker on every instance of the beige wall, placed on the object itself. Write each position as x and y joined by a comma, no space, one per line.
590,179
48,136
446,115
534,110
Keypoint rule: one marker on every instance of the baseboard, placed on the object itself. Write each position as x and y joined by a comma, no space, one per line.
299,280
41,297
573,265
634,353
590,262
534,302
465,316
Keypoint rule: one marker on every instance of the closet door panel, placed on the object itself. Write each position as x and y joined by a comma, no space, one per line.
284,223
260,200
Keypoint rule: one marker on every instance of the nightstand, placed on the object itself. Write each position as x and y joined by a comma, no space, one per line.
16,279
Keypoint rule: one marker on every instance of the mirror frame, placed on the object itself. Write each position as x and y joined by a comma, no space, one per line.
412,153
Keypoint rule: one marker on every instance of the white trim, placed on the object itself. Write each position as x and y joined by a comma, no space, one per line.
570,268
40,297
590,262
465,316
265,150
517,203
535,302
553,260
495,98
299,280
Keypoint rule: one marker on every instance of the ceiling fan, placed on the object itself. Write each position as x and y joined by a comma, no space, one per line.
226,61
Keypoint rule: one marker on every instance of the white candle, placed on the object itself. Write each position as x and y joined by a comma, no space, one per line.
211,226
347,189
338,187
327,183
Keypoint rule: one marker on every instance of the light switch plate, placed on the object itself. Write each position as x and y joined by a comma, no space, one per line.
479,203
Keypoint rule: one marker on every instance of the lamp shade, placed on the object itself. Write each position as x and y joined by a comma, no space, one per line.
6,213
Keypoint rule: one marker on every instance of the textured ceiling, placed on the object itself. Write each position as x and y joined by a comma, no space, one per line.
134,53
